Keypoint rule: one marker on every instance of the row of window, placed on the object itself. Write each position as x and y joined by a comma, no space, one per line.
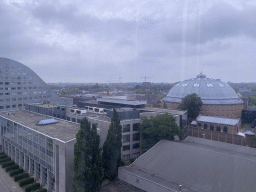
135,137
38,170
218,128
128,147
127,127
134,156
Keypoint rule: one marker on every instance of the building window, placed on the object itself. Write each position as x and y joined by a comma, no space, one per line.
126,138
136,126
78,120
199,124
136,145
136,137
73,120
135,155
126,147
126,157
225,129
211,127
126,128
205,126
218,128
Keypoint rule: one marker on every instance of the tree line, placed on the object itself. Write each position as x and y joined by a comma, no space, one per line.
91,165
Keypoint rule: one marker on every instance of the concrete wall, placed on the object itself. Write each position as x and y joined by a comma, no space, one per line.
216,136
69,164
64,165
141,183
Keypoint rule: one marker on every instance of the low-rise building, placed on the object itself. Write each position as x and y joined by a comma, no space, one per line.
226,125
195,164
41,145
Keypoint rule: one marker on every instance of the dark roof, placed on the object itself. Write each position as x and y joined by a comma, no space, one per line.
211,91
198,165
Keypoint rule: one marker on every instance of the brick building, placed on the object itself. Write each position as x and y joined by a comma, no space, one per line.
219,99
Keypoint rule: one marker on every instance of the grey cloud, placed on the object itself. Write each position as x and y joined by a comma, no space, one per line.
219,22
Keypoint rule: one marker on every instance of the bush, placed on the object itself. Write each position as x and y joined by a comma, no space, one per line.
26,181
15,172
5,160
8,164
122,163
32,187
132,160
3,156
13,167
41,190
20,176
2,153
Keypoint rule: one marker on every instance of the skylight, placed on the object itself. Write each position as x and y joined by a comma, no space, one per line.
46,121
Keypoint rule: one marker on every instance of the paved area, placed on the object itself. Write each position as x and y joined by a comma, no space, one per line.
7,184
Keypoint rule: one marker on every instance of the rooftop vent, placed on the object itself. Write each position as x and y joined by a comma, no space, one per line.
201,75
46,122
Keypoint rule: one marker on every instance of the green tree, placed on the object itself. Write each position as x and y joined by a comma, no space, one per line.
153,129
252,100
192,103
253,88
165,106
112,148
88,168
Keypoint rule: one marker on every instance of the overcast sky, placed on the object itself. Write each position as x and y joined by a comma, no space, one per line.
111,41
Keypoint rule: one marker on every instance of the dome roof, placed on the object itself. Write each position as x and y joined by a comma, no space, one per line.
211,91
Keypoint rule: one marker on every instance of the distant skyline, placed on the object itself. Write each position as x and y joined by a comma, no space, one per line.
122,41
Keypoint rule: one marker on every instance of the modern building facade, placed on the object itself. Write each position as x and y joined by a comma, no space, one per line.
219,99
20,85
42,146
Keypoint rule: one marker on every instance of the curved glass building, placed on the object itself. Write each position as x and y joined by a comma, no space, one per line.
20,85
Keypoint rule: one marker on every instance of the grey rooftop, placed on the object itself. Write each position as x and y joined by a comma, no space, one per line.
218,120
161,110
62,130
121,101
198,165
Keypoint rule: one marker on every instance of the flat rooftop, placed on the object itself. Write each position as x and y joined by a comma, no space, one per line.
121,101
62,130
43,105
161,110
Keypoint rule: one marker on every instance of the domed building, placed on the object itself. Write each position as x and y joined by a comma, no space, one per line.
219,99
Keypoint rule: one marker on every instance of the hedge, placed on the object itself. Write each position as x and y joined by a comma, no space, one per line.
26,181
15,172
5,160
20,176
41,190
8,164
32,187
13,167
3,156
2,153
